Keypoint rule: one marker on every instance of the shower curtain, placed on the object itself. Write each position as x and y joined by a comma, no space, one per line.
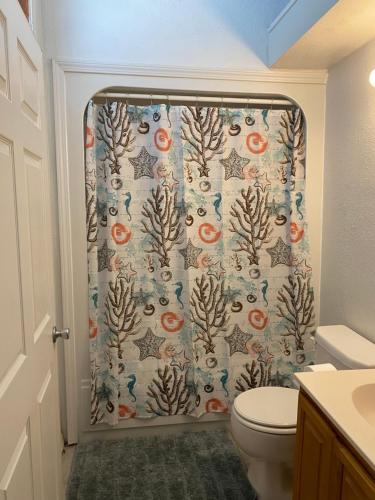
198,258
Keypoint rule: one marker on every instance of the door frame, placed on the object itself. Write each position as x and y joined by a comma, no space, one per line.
75,82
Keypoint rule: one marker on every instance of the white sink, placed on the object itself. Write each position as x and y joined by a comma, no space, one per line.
364,402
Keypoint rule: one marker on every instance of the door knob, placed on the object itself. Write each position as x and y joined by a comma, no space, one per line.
64,334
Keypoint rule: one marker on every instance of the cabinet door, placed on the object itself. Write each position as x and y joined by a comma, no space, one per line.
313,454
350,481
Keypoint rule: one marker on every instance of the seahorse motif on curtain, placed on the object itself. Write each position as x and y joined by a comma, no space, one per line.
198,256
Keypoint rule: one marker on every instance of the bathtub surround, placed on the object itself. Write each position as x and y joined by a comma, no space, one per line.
196,466
74,87
199,265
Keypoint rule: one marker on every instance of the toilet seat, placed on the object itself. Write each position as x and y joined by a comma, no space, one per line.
268,409
264,429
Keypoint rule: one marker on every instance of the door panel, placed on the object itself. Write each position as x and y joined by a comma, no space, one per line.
46,404
29,84
10,296
30,454
17,482
4,71
38,244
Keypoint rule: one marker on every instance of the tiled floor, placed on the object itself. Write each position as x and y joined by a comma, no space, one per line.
67,463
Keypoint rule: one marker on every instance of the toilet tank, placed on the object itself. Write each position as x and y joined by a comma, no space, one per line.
344,348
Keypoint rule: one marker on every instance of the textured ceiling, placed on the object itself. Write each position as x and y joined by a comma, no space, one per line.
342,30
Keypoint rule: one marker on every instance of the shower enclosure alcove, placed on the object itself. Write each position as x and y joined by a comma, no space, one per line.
232,103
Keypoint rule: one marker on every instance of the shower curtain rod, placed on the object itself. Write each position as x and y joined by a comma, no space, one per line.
277,102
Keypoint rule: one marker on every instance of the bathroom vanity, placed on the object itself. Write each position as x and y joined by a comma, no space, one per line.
335,447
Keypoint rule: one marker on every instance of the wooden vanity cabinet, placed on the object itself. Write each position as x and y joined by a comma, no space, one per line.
350,480
326,468
314,444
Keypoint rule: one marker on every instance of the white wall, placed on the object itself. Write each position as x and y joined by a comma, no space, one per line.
201,33
348,260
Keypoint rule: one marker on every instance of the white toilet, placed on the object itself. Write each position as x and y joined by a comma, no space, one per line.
264,419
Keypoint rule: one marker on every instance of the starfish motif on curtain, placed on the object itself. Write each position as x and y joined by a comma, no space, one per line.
170,182
190,254
143,164
149,345
265,356
303,269
105,255
216,270
180,360
127,272
281,253
237,340
262,182
234,165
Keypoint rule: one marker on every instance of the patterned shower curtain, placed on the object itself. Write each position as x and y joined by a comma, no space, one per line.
198,256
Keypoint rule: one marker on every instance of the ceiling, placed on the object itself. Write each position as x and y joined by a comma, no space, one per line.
348,25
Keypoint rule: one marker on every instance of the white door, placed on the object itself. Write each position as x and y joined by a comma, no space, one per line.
30,451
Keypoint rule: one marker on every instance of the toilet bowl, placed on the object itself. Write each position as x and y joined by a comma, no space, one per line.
263,422
264,419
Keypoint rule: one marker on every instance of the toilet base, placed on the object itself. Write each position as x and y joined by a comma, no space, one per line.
271,480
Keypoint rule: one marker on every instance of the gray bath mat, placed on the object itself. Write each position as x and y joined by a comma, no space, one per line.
193,466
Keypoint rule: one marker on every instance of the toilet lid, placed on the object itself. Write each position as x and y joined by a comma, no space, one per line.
268,406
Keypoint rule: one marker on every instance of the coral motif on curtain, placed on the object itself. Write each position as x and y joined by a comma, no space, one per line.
198,257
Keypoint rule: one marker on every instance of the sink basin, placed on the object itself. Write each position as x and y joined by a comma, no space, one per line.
364,402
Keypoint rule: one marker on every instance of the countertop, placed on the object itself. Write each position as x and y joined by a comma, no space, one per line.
332,392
